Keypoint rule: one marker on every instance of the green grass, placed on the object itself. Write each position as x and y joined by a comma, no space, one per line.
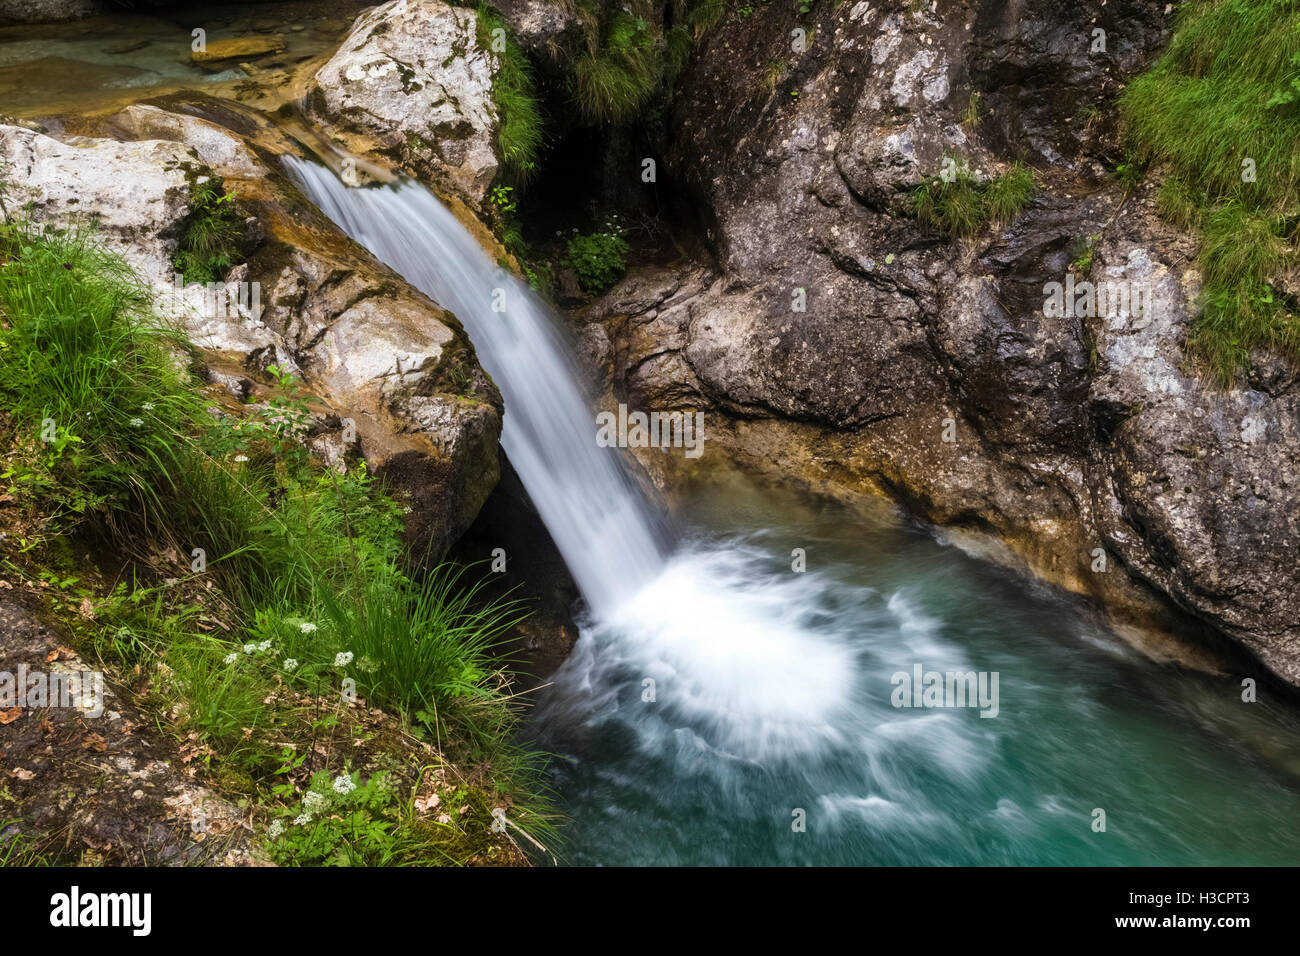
1007,195
962,207
520,123
90,383
1228,90
302,563
619,72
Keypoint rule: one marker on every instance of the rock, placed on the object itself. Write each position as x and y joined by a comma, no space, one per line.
49,11
369,347
840,340
411,78
543,28
216,147
81,179
217,55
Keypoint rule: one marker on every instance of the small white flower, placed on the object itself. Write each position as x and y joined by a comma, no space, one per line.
137,422
342,658
343,785
302,819
306,627
147,406
231,658
241,458
277,828
290,664
313,802
264,646
249,648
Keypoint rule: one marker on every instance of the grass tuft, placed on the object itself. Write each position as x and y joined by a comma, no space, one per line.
1221,108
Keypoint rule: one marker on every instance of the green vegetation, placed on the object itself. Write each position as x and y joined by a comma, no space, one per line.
211,234
1221,109
629,59
961,207
259,589
520,129
619,71
1087,250
597,259
1007,195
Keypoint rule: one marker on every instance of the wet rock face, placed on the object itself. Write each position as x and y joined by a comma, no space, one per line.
411,77
371,349
49,11
935,369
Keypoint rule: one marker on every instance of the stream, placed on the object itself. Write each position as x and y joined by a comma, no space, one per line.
736,693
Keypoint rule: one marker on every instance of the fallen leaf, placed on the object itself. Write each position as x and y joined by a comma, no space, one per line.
22,774
94,742
86,610
10,715
425,804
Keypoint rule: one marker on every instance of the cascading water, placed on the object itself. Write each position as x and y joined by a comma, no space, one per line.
719,708
598,520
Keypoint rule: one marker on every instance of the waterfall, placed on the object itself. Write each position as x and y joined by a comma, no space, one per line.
599,520
722,707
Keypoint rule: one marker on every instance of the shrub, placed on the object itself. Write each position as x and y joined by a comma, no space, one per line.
597,259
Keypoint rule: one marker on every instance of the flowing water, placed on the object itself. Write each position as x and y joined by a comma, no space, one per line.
721,707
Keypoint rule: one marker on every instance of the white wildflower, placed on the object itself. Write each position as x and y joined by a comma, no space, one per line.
137,422
264,646
241,458
313,802
343,785
291,664
249,648
277,828
342,658
302,819
147,407
306,627
231,657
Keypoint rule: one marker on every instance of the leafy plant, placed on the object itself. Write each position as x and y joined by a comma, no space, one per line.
211,235
597,259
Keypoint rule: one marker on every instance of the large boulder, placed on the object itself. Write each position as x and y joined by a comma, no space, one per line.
411,81
370,348
841,339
